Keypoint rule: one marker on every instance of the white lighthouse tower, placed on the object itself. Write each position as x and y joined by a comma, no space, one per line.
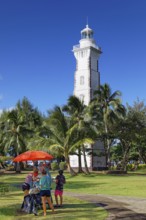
87,77
87,80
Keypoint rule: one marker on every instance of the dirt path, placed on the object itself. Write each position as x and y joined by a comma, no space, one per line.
118,207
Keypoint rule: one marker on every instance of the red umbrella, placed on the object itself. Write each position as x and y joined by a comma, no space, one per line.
33,155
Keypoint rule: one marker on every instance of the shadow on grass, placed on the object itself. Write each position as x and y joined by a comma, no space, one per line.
68,210
136,174
10,196
9,210
125,213
77,206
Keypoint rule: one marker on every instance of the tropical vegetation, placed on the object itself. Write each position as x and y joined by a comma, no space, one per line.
73,129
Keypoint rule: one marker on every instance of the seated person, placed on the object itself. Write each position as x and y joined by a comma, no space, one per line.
25,188
29,179
28,204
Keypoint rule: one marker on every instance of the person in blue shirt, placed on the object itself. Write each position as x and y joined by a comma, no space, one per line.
47,168
45,185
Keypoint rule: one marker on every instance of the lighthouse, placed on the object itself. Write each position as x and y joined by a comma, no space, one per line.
87,76
86,81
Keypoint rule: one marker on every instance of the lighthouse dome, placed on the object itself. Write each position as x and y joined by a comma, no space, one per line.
87,32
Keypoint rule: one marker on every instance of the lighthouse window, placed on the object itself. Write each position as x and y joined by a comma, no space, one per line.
90,35
83,35
81,80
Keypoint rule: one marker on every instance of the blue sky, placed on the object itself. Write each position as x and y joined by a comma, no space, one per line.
36,40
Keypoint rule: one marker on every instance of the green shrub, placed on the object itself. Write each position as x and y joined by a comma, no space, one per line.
62,166
54,166
5,158
10,168
130,167
141,166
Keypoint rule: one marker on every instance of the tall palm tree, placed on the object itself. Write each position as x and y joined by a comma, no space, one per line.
28,114
3,119
16,134
78,111
62,135
109,104
20,125
13,139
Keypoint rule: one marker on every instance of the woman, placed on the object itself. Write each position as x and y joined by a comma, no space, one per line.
35,173
45,184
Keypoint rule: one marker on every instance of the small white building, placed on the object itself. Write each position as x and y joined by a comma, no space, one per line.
86,81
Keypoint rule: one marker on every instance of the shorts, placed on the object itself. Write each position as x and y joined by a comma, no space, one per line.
46,193
58,192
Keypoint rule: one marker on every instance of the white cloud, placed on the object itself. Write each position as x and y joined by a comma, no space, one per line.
1,111
8,109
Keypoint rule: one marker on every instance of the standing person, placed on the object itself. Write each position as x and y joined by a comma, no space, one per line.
40,167
45,184
60,181
47,168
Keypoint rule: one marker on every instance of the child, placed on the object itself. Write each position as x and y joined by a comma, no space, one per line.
60,181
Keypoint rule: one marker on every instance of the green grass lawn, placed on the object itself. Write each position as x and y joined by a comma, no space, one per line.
73,209
10,204
133,185
125,185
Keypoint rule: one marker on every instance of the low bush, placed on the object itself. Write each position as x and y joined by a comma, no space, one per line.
54,166
62,166
141,166
130,167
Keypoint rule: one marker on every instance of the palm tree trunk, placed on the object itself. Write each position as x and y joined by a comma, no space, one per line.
125,158
70,169
108,146
79,161
17,166
108,154
85,160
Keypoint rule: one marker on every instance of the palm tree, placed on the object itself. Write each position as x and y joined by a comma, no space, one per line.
20,124
62,135
28,114
109,105
78,111
3,119
16,134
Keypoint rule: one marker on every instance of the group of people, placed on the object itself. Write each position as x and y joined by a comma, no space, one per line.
38,185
